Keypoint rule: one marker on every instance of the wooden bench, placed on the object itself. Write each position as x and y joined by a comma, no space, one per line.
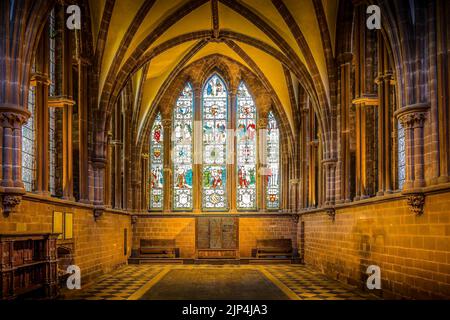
274,248
158,248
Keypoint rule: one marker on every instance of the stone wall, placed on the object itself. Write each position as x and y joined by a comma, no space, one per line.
180,229
412,251
98,246
183,230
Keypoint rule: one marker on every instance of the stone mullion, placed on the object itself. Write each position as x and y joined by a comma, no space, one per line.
117,123
67,93
126,156
167,127
42,82
419,177
109,173
231,167
83,130
387,129
262,163
345,95
197,176
313,144
358,184
144,185
304,158
443,73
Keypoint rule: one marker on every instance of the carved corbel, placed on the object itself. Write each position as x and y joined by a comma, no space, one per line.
134,220
98,212
295,218
9,202
416,203
331,212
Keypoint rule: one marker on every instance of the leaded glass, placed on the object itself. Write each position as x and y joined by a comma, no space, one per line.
246,149
214,173
156,165
273,163
401,156
182,157
28,147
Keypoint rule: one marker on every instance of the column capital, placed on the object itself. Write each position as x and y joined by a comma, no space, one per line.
12,116
413,115
262,123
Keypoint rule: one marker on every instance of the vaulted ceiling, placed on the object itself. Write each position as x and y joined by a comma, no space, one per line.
278,37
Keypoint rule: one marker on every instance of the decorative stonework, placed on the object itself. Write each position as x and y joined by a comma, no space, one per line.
98,212
296,218
416,203
9,202
134,220
331,212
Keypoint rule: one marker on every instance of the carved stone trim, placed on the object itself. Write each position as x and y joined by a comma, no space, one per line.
98,212
296,218
416,203
134,219
9,202
331,212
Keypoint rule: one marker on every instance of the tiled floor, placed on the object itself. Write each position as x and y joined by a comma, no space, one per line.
298,282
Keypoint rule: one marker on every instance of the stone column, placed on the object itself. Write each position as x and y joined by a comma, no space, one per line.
11,186
412,119
262,163
197,141
83,69
329,169
345,60
42,83
145,179
167,127
67,152
117,171
231,152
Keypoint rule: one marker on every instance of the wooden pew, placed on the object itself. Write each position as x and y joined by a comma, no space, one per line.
274,248
158,248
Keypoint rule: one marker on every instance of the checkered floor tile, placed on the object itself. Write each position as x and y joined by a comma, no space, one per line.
301,281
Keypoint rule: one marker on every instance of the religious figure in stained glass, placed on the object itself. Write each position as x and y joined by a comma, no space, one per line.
183,144
246,149
273,163
156,165
215,113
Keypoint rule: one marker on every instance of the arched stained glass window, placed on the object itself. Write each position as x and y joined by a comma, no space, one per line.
28,144
246,149
401,156
273,163
156,165
183,124
214,170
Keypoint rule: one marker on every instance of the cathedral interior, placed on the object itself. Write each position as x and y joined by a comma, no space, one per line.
276,149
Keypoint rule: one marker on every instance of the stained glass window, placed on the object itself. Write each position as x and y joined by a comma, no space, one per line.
28,145
273,163
401,156
156,165
214,172
183,124
246,149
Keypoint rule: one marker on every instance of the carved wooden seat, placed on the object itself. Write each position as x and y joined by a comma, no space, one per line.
271,248
158,248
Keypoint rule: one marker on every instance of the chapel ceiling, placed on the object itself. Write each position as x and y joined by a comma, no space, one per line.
163,34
